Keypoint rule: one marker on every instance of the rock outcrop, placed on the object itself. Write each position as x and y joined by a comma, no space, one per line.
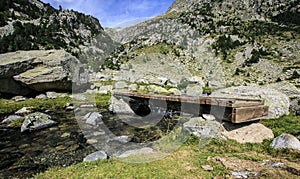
27,72
278,102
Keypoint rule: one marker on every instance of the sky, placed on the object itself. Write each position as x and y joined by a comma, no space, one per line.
113,13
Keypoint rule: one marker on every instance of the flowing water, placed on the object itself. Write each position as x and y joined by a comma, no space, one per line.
24,154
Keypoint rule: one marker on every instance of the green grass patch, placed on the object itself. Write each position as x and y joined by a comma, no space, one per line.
289,124
17,123
10,106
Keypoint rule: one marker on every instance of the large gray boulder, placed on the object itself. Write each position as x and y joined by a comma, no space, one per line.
204,129
36,121
25,72
286,141
277,101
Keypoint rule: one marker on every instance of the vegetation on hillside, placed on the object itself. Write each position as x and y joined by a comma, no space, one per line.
52,29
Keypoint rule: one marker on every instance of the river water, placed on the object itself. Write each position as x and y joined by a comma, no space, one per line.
24,154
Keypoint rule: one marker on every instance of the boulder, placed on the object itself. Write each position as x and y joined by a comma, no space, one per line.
291,91
254,133
36,121
96,156
27,72
128,153
119,106
204,129
286,141
278,102
93,118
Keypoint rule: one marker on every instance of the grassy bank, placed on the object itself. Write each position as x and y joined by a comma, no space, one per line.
187,162
190,160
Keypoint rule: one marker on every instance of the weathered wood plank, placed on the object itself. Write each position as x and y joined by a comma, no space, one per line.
230,102
245,114
240,110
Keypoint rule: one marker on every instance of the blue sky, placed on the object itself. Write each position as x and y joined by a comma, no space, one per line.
113,12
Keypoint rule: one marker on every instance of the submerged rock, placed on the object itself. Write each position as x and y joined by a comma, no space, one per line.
96,156
286,141
36,121
93,118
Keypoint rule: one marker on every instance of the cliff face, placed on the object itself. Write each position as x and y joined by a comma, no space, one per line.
33,25
225,42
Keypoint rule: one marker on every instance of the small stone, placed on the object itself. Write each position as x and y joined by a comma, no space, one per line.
87,106
61,147
207,168
122,139
209,117
91,141
41,96
24,110
52,95
19,98
96,156
65,135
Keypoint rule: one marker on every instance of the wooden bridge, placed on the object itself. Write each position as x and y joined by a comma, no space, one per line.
235,110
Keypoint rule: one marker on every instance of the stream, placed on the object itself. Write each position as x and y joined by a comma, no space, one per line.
24,154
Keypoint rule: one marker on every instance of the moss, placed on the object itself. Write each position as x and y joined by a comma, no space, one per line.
17,123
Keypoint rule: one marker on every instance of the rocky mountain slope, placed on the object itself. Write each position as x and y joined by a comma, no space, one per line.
33,25
225,42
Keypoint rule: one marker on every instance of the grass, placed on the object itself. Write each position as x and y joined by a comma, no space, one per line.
186,162
287,124
10,106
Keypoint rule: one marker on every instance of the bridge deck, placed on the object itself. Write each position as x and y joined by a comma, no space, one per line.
241,110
